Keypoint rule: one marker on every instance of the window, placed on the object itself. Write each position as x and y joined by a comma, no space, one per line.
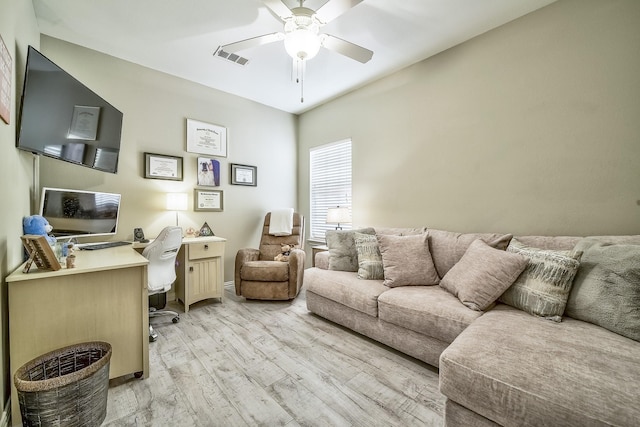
330,170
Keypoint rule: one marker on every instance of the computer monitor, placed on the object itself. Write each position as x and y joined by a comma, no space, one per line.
78,213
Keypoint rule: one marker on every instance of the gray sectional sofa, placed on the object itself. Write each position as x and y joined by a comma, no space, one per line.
502,364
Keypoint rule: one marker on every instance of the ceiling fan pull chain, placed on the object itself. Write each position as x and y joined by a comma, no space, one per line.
303,65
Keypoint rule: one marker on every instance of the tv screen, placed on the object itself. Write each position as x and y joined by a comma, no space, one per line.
62,118
76,213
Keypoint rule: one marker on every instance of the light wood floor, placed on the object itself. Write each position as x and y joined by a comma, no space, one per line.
248,363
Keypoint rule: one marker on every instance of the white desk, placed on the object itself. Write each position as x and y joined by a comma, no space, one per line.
200,271
104,298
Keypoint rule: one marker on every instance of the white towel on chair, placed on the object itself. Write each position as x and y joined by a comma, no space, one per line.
281,222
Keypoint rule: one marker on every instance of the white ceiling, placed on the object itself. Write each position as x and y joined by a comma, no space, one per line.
180,37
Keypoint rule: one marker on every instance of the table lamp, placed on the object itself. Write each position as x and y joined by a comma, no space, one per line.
177,202
338,215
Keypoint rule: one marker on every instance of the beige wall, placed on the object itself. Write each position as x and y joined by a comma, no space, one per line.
529,128
18,29
155,108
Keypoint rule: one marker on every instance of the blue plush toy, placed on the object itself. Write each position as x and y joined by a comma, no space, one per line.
38,225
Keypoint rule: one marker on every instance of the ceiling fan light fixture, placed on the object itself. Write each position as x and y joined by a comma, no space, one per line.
302,43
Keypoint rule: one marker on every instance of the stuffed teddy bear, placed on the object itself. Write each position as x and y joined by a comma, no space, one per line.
285,251
38,225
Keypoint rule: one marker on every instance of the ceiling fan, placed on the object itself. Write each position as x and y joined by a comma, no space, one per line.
302,37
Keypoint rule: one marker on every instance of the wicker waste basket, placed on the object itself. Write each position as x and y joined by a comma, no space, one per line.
65,387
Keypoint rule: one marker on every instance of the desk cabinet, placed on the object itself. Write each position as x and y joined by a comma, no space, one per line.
201,270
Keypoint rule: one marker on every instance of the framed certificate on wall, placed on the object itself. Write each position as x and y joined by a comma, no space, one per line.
244,175
208,200
206,138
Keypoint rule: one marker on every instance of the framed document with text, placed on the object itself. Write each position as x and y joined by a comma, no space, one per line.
208,200
244,175
159,166
206,138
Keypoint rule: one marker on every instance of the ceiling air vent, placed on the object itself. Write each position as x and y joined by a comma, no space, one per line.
236,59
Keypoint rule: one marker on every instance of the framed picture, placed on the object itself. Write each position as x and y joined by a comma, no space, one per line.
208,200
206,138
159,166
40,252
244,175
208,172
5,82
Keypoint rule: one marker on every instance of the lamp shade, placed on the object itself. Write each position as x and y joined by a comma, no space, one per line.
302,44
177,201
338,215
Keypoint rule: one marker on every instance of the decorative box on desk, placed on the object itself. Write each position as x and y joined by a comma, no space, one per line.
200,274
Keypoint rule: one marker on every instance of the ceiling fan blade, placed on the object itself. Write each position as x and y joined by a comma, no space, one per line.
346,48
252,42
278,8
334,8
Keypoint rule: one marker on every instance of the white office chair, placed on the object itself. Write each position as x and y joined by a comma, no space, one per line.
161,271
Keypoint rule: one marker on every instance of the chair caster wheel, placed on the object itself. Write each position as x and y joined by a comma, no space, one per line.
137,374
153,335
175,319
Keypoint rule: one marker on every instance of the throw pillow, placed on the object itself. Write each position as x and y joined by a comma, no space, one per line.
606,290
369,257
543,287
406,260
448,247
343,255
482,275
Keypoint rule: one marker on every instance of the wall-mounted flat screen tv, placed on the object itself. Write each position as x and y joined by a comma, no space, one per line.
62,118
77,213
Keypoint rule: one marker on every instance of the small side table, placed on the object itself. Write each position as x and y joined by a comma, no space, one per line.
314,251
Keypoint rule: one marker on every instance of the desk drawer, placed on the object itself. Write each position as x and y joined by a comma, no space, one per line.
206,250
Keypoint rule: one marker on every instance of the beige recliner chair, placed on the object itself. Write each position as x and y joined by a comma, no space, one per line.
258,276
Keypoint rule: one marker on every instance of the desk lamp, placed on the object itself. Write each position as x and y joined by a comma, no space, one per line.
177,202
338,215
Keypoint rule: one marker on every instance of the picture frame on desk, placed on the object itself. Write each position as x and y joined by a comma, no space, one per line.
208,200
40,253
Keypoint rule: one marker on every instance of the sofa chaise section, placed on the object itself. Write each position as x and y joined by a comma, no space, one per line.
517,370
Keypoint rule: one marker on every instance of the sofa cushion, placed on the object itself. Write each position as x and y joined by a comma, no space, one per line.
483,274
543,287
556,243
400,231
265,271
345,288
369,257
407,261
447,248
518,370
343,255
607,287
429,310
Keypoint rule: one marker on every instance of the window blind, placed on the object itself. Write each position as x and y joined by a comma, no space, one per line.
330,170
